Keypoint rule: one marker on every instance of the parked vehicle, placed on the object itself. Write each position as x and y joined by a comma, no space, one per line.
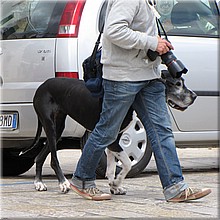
44,39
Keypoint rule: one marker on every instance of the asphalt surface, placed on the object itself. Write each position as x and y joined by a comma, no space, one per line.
144,198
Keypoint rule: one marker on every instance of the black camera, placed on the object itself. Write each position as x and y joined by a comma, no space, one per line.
175,66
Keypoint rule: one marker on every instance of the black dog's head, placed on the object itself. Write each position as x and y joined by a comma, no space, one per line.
178,95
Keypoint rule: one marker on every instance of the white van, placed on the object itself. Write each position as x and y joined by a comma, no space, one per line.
44,39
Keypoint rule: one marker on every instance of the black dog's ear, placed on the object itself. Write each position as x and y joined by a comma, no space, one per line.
165,74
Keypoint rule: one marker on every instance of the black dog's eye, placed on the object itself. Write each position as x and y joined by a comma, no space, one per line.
178,84
169,83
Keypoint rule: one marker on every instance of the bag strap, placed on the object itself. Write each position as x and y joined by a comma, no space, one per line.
93,56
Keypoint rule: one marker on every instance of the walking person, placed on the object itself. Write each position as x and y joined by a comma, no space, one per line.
130,78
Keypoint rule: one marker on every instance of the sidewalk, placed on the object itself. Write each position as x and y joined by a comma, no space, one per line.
194,159
144,199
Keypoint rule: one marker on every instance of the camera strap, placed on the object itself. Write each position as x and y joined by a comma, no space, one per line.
159,24
152,5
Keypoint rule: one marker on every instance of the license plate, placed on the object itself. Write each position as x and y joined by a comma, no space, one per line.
8,121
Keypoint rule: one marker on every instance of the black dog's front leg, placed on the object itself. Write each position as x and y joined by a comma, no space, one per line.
63,182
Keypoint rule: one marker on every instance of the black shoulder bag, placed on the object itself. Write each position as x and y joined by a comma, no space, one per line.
92,69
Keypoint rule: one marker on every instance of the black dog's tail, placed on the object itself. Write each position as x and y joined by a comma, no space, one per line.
36,140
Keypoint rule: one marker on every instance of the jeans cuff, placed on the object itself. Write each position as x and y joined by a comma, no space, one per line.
83,184
174,190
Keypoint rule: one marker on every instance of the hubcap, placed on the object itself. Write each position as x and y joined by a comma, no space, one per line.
134,140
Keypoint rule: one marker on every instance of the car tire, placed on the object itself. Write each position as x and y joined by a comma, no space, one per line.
135,142
13,164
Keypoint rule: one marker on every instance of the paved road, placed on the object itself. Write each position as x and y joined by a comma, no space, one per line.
144,199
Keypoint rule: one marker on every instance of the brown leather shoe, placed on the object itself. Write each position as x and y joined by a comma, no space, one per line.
190,194
91,193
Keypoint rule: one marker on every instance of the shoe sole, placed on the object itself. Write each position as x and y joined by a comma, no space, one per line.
87,196
196,196
80,193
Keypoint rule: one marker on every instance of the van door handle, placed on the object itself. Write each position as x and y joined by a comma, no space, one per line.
1,52
1,81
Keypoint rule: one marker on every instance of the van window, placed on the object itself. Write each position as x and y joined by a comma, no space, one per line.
30,19
189,17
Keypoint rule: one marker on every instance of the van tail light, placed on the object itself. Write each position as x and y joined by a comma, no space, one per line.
70,20
67,74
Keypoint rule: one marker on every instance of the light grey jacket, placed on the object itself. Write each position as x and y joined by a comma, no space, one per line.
130,30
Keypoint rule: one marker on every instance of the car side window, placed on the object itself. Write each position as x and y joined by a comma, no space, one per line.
25,19
189,17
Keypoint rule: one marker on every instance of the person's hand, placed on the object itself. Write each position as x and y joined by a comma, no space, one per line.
163,46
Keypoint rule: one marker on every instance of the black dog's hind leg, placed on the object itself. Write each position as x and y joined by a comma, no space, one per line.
39,160
53,124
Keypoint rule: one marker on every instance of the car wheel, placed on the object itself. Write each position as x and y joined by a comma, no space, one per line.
13,164
135,143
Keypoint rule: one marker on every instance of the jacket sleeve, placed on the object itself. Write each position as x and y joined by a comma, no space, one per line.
119,20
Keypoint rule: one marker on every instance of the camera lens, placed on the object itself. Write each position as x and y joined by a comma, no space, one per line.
175,67
168,57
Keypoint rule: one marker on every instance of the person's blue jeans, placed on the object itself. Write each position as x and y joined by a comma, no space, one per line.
149,101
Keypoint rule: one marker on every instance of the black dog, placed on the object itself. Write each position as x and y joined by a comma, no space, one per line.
58,97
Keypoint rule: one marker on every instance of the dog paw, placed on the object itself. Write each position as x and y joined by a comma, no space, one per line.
118,191
65,186
40,186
